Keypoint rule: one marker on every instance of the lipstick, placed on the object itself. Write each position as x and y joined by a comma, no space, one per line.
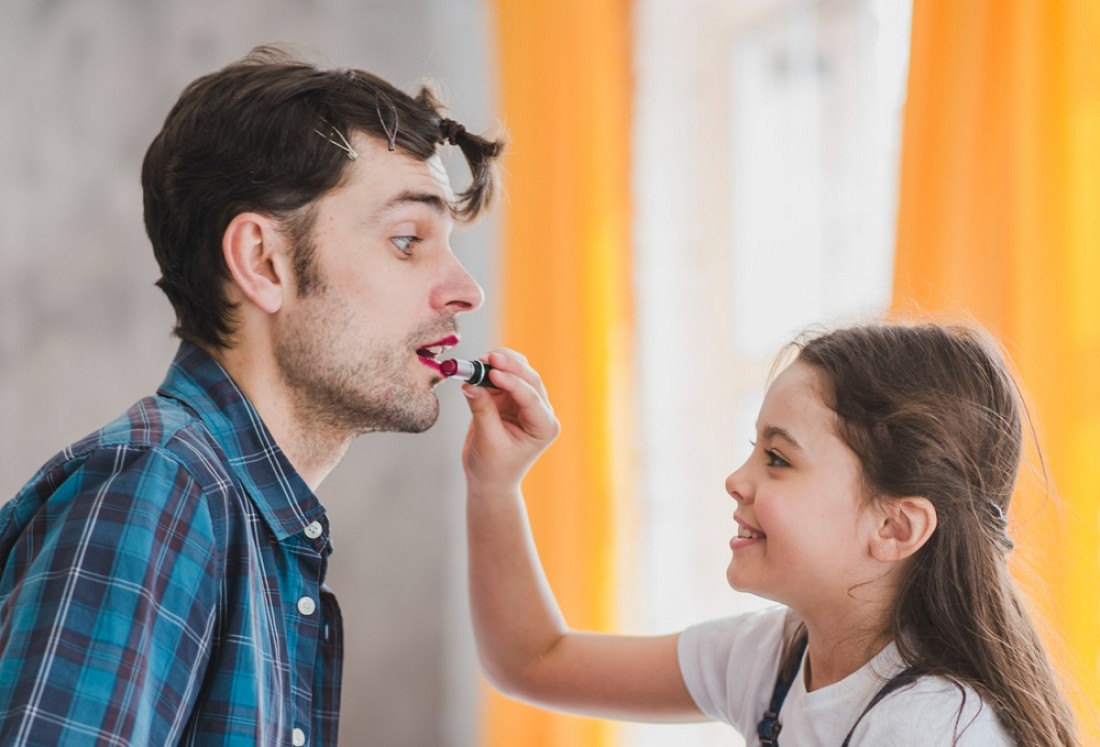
472,372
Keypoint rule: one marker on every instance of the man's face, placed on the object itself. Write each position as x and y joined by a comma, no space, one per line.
358,349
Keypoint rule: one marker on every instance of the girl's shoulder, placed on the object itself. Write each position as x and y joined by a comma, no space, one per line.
932,710
729,664
760,633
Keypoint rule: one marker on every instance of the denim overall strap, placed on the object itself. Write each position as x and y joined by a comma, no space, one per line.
908,677
769,726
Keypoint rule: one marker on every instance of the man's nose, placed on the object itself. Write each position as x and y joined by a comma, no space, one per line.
459,292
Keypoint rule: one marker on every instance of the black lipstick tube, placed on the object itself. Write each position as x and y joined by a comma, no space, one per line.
472,372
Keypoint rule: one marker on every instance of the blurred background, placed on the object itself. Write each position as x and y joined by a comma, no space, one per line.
689,184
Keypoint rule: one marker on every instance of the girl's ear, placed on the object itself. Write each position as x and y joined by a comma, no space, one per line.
257,260
904,525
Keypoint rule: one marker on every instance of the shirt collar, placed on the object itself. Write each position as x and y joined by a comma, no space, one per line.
270,480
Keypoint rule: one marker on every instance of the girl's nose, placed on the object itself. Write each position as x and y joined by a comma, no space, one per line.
736,486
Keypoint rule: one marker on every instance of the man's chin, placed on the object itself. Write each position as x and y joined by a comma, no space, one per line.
419,426
409,419
430,418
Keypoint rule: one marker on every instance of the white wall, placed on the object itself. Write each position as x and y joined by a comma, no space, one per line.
83,331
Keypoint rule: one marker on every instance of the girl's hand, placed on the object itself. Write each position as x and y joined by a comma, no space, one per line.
511,425
526,648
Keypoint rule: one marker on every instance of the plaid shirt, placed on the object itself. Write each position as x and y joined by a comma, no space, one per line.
162,582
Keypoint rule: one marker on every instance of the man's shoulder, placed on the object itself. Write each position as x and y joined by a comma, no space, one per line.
152,422
155,466
154,432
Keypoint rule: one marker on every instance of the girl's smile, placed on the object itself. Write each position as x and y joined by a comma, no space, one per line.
746,536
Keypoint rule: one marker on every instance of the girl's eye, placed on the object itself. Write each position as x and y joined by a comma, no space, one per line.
405,244
774,460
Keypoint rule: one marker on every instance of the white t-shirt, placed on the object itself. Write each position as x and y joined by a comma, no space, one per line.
730,665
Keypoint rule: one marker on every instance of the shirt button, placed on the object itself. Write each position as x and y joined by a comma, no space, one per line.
314,530
298,737
307,607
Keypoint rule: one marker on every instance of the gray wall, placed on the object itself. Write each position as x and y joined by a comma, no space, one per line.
83,331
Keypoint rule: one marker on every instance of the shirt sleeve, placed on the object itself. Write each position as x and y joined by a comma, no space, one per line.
729,665
107,603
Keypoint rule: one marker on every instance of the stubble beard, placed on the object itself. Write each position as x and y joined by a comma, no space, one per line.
338,386
353,397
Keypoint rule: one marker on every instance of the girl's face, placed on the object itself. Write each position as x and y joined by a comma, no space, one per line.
804,527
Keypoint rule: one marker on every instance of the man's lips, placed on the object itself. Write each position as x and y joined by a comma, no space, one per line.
429,354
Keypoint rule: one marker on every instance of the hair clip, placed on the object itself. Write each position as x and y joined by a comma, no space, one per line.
998,513
1000,522
343,145
391,135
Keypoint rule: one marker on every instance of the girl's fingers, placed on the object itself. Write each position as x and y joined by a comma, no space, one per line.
519,403
516,363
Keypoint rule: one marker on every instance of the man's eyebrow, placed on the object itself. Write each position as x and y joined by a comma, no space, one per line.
774,431
430,199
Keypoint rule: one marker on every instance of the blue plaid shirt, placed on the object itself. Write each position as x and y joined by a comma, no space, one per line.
162,582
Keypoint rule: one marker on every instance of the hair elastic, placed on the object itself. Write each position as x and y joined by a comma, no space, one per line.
1000,521
450,131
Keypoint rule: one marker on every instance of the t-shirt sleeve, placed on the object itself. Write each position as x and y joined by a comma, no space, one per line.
108,595
729,665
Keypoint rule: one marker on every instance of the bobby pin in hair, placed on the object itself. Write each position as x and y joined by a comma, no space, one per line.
343,145
391,135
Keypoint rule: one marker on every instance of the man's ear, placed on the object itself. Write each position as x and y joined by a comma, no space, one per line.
256,256
904,525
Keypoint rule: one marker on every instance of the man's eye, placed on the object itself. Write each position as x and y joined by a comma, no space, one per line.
405,244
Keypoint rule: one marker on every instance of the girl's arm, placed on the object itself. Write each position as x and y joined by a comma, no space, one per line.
526,648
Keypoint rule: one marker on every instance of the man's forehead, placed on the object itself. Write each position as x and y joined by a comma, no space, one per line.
378,162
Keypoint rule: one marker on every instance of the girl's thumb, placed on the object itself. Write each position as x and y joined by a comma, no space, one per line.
476,397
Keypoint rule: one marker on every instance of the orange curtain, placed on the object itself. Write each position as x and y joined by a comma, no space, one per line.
999,219
565,82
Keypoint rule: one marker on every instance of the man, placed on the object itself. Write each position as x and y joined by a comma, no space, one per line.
162,580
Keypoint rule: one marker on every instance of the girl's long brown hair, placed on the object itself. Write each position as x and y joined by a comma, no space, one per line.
931,410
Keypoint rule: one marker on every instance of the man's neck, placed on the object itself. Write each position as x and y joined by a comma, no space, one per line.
313,449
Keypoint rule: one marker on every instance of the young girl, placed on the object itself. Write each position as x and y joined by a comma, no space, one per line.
872,508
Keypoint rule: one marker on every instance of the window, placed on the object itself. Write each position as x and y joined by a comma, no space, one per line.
766,150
